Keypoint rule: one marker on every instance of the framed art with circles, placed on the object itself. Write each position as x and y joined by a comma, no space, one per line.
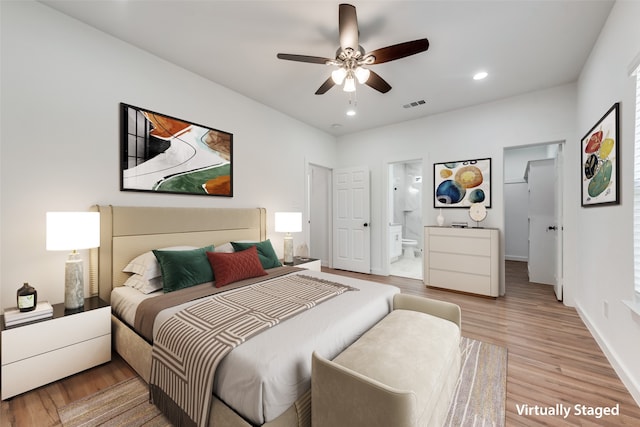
600,166
460,184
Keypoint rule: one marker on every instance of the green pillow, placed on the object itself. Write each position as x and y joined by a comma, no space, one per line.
267,255
181,269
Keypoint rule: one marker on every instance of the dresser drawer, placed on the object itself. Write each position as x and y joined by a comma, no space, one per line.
460,245
463,282
480,265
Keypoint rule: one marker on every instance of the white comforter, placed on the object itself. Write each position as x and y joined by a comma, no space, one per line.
264,376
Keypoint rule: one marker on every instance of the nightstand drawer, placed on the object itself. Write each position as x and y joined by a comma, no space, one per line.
42,337
27,374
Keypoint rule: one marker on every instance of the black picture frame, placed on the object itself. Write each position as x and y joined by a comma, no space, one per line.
600,165
461,183
164,154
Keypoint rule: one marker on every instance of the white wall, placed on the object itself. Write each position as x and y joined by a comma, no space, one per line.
539,117
62,83
516,159
516,221
605,246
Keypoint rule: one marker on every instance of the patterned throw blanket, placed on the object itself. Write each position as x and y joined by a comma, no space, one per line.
190,344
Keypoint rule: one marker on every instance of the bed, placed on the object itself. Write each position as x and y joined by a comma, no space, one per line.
127,232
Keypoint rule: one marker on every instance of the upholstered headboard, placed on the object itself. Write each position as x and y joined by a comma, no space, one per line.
128,231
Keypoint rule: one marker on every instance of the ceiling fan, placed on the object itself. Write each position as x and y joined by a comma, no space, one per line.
351,58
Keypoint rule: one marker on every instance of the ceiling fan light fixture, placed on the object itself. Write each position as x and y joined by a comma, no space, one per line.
362,74
338,75
349,84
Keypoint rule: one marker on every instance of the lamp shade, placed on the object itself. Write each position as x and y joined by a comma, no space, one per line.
72,230
288,222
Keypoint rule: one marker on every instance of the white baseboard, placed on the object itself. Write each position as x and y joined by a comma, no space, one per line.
611,355
516,258
378,272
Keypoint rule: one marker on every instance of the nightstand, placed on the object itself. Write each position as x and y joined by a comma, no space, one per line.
43,351
306,263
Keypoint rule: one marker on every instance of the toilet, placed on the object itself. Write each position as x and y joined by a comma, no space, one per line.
409,248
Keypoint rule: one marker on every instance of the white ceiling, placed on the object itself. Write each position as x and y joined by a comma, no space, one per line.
523,45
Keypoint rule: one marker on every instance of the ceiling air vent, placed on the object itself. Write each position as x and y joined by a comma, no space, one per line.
414,104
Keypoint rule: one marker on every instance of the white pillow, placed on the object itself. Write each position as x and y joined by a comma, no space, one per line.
147,266
224,248
145,286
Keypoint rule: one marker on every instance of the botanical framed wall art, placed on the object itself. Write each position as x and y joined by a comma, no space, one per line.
600,165
160,153
461,183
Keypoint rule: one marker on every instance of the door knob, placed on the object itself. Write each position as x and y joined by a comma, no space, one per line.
366,224
552,227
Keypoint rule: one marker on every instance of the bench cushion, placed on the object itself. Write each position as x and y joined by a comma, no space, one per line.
410,351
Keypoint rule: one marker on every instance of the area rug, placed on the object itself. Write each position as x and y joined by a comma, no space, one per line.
479,398
123,404
481,391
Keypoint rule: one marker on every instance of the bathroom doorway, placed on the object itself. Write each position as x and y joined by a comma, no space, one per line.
405,229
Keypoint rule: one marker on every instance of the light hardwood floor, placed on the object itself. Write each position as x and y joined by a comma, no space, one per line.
552,359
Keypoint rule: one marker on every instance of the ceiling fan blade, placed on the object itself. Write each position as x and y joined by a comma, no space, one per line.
398,51
348,27
303,58
328,84
378,83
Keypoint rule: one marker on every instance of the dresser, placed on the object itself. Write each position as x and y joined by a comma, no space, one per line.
462,259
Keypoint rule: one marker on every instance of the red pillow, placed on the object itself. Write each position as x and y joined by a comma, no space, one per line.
231,267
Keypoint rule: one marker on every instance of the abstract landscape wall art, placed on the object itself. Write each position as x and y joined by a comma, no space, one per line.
163,154
460,184
600,166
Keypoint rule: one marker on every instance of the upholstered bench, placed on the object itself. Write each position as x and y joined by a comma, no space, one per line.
401,373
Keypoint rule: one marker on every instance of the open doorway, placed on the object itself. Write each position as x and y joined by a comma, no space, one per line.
533,211
319,181
405,227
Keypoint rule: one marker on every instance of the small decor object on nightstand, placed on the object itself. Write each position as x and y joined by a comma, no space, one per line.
14,316
478,213
26,298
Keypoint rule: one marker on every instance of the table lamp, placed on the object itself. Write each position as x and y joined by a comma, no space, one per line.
288,222
73,231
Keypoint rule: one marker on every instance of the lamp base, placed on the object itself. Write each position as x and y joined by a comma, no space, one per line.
288,249
73,282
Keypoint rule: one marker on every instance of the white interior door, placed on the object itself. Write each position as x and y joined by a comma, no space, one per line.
542,222
351,228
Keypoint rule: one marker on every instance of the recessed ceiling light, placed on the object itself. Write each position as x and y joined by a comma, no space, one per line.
351,112
481,75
